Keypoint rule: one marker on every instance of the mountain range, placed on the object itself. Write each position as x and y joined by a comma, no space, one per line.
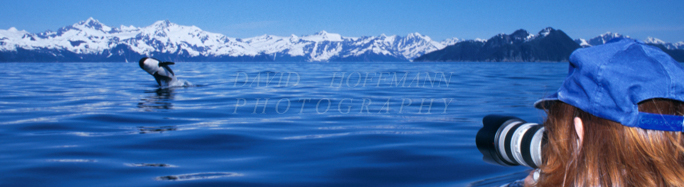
93,41
520,46
675,50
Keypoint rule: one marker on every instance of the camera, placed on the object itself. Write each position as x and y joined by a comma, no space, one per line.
510,141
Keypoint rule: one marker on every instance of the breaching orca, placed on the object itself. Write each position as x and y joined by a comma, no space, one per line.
160,70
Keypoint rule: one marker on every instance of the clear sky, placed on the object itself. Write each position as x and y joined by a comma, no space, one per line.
439,19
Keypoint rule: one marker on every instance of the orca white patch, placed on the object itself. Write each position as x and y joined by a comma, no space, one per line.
161,71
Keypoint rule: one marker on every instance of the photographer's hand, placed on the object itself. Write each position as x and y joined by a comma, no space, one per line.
531,179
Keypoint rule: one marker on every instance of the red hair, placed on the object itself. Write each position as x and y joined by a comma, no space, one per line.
611,154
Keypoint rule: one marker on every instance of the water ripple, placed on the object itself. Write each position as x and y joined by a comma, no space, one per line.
199,176
71,160
150,165
58,119
318,136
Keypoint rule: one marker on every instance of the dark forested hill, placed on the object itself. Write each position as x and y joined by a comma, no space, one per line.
520,46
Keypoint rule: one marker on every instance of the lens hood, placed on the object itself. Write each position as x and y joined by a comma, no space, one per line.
487,139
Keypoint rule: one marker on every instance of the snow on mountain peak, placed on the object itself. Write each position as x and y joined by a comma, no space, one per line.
610,35
127,28
600,40
652,40
164,37
670,46
323,36
415,34
12,33
162,24
89,21
678,45
93,24
546,31
294,38
262,38
582,42
450,41
605,37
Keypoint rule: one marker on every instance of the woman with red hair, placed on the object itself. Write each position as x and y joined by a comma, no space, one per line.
616,120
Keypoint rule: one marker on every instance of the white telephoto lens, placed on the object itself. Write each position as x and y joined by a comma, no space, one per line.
536,146
502,141
516,143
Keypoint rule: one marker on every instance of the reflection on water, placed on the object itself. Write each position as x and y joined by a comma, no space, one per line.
147,130
162,165
158,99
198,176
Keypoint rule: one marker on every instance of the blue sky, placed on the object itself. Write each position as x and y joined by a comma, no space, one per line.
439,19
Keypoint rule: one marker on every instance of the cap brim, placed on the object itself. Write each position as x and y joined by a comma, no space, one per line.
546,102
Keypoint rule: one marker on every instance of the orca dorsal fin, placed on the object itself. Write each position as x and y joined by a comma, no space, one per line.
167,68
166,63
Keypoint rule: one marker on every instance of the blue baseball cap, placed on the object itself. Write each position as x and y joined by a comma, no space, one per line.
610,80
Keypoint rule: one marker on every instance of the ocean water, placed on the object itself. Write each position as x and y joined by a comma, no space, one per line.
261,124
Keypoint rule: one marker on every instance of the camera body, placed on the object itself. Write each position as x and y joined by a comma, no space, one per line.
510,141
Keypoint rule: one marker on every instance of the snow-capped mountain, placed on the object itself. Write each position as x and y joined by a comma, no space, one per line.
91,40
603,38
599,40
670,46
675,50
